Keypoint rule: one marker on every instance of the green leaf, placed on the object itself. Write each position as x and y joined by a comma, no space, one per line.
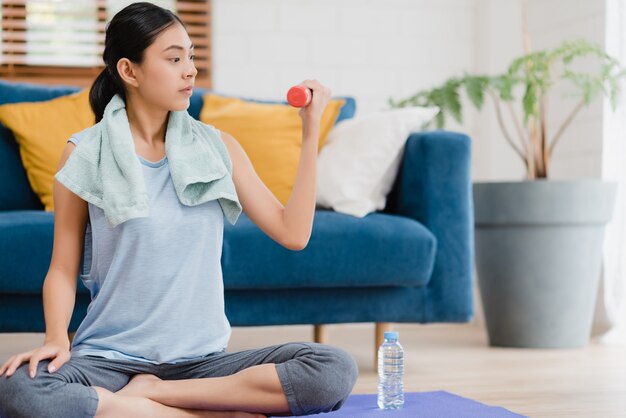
536,74
530,102
451,100
475,88
504,85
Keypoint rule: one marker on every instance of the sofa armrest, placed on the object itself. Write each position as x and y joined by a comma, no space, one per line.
434,187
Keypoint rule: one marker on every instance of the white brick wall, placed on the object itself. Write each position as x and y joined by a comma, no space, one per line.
371,50
374,49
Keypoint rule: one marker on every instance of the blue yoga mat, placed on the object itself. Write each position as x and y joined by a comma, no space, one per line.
438,404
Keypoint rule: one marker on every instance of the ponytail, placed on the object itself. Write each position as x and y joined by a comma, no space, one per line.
102,91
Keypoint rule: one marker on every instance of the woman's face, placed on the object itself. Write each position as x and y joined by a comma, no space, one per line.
167,68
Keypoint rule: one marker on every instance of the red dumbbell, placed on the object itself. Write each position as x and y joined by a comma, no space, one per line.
299,96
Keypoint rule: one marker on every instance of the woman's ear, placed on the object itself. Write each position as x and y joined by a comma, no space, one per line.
126,70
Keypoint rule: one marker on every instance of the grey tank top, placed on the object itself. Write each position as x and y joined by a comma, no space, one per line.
156,283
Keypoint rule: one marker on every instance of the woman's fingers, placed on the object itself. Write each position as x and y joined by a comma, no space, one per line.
56,352
56,364
317,87
34,360
6,365
13,364
16,362
321,97
313,84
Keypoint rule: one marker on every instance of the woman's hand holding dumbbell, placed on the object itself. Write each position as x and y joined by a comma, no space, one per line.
312,98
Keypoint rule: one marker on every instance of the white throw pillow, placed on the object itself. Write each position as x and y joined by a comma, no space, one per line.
359,162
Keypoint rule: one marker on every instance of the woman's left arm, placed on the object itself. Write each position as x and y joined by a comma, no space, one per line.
289,225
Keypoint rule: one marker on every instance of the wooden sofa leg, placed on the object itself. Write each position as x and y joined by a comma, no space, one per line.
381,328
319,334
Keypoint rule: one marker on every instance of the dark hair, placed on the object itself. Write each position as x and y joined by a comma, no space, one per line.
128,34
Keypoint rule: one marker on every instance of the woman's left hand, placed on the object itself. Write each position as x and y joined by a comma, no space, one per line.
314,110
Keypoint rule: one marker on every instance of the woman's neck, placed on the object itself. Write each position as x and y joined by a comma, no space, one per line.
147,124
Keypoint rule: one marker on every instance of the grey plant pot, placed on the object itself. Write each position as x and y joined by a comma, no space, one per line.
538,259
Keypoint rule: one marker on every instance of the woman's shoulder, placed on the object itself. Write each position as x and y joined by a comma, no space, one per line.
75,138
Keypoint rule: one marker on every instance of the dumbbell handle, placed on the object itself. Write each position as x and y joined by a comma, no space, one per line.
299,96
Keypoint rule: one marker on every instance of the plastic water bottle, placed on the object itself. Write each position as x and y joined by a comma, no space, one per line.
390,373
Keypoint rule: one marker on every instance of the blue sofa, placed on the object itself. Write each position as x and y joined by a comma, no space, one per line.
411,262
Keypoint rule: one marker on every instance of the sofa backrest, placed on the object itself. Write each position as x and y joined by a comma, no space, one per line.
15,190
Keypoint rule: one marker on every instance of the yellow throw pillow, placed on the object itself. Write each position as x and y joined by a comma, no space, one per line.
42,129
271,135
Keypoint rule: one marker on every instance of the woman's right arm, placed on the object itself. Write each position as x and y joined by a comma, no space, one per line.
59,287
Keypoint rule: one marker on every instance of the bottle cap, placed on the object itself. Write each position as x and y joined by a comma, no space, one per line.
391,335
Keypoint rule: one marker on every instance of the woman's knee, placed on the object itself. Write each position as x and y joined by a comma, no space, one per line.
325,377
16,394
342,371
45,395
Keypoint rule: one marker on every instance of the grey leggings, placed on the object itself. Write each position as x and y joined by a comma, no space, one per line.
315,378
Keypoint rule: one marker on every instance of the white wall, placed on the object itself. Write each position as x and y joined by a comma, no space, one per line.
373,49
368,49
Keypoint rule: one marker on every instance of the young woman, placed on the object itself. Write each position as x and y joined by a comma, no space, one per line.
153,342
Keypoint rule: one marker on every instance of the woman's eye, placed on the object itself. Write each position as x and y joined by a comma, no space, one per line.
177,58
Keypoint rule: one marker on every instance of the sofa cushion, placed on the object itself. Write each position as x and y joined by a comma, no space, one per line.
377,250
17,193
343,251
41,129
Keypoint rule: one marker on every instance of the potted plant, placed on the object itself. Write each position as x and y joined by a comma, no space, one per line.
538,241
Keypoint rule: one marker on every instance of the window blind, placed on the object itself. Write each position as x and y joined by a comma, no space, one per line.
62,42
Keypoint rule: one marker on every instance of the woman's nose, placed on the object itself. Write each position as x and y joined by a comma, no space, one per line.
191,72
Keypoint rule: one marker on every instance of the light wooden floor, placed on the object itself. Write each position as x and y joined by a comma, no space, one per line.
588,382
